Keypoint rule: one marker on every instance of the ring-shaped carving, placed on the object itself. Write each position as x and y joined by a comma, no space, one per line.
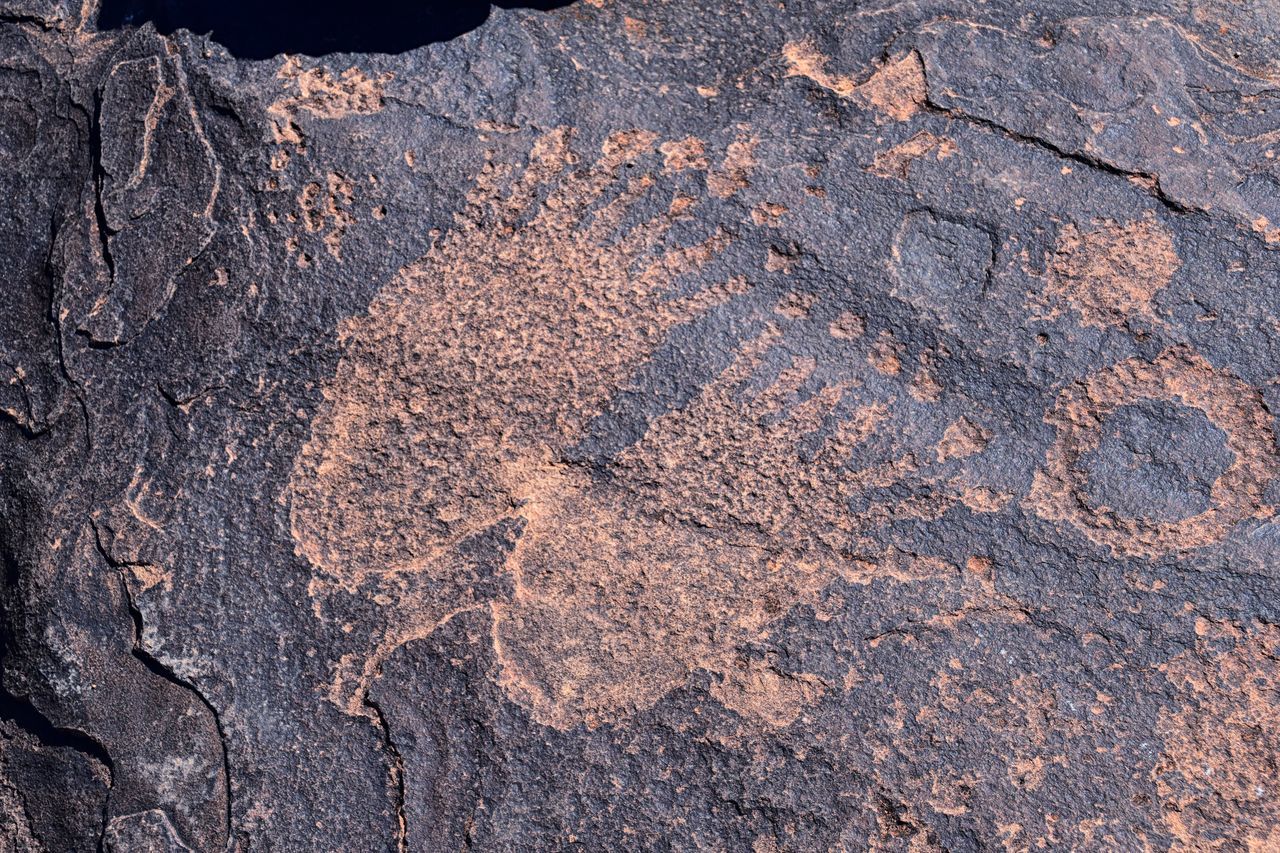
1177,375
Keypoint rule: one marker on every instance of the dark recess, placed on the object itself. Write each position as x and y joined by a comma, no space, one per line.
265,28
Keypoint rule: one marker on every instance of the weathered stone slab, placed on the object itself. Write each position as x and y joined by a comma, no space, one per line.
645,426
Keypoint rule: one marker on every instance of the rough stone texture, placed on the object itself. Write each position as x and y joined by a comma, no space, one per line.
645,426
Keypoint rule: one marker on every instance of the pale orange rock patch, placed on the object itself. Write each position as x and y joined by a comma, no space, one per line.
896,162
1221,754
962,438
895,90
1110,273
320,93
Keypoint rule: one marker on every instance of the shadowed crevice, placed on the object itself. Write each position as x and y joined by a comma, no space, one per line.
161,670
21,712
260,30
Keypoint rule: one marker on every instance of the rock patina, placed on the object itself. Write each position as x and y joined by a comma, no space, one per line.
645,426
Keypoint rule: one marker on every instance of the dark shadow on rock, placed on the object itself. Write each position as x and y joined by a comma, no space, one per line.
258,29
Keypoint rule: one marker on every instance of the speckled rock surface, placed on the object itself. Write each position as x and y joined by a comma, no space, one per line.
645,426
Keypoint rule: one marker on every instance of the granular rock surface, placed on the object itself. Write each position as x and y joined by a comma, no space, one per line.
746,426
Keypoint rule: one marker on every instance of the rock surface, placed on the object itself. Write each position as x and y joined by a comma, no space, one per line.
645,426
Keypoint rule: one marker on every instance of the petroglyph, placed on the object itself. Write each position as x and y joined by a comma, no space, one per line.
432,429
896,162
1060,491
728,512
318,93
1110,273
895,90
731,509
327,207
1222,738
433,401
